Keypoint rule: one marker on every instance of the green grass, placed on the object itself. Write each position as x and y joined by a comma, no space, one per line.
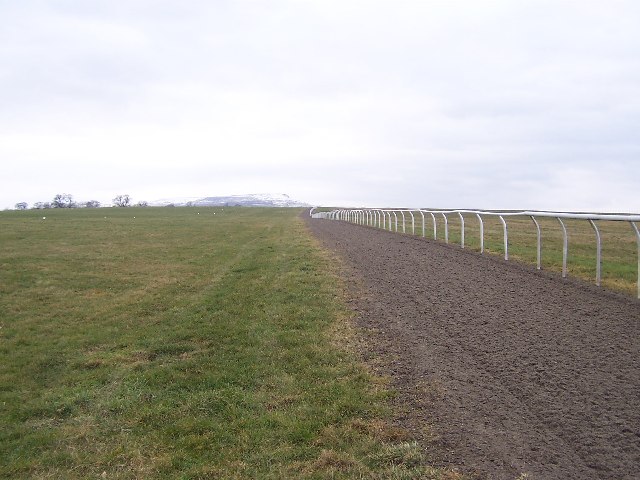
183,343
619,246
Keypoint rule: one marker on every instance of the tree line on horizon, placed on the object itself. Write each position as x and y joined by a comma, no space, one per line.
65,200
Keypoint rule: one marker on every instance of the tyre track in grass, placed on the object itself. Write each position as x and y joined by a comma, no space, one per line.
511,370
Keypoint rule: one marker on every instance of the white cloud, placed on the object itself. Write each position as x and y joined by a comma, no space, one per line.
458,103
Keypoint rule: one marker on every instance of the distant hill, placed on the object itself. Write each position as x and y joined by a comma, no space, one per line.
248,200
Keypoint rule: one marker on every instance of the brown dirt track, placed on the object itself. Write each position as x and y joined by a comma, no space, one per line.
511,370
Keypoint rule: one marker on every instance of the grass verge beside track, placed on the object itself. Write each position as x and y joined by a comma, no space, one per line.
182,343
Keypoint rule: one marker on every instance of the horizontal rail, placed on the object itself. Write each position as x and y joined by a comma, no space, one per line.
381,218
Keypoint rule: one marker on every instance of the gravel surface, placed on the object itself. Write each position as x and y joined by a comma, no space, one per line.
501,370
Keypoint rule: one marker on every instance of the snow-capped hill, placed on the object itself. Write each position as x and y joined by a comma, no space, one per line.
248,200
177,201
251,200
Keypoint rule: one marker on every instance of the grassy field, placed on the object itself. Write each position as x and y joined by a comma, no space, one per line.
183,343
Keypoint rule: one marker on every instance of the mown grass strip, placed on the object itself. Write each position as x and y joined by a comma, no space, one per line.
182,343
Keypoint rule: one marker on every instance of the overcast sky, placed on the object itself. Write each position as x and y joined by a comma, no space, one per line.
451,104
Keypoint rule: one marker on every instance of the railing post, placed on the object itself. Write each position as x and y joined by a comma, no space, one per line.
635,229
435,226
423,229
413,223
404,229
446,228
598,251
539,244
396,217
481,233
506,238
565,247
461,230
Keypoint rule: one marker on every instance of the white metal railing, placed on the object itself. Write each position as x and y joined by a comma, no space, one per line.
382,218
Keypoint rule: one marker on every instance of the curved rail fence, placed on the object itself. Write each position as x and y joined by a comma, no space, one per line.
397,219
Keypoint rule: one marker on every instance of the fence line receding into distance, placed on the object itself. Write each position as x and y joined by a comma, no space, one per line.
388,219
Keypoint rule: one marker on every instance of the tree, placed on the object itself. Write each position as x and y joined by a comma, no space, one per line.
41,205
63,200
122,201
21,206
92,204
143,203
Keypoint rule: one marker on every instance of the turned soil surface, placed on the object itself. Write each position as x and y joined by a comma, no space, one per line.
501,370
